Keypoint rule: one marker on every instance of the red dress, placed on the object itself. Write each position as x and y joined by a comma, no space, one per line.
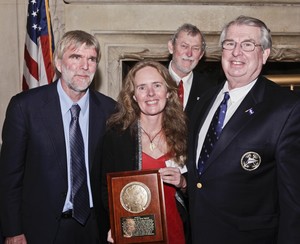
174,222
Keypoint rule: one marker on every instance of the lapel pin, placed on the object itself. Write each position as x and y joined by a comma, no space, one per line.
250,161
250,111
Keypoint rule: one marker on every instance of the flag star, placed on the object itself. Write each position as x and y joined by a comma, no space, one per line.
34,14
35,26
33,1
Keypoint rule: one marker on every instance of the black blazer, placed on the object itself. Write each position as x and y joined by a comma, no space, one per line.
201,83
234,205
33,169
120,153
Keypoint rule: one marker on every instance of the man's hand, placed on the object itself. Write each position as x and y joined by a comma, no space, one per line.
20,239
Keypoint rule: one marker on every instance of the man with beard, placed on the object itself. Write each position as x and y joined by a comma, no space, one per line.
187,47
43,197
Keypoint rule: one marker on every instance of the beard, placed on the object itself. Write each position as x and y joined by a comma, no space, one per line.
77,82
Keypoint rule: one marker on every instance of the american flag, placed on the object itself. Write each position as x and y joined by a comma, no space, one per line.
39,45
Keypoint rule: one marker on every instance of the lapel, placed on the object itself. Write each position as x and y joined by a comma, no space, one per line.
194,95
198,117
241,119
52,120
96,126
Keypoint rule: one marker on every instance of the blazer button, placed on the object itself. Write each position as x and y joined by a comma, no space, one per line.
199,185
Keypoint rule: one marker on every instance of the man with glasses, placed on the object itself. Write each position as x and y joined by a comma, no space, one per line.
244,149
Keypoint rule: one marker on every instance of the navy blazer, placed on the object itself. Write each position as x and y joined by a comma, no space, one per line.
230,203
33,168
201,83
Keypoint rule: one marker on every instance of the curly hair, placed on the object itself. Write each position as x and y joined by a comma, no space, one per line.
174,119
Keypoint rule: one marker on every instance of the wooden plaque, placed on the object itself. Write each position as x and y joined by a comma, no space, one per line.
137,207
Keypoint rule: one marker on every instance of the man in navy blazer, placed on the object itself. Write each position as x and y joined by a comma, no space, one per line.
35,184
187,47
248,190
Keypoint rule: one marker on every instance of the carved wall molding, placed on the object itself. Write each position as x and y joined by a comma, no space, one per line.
118,54
57,18
285,54
185,2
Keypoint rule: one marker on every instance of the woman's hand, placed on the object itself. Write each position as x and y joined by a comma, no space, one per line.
172,175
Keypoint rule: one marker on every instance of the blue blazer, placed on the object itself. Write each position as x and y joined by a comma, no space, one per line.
232,203
33,168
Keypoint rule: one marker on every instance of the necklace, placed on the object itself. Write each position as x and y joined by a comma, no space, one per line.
152,146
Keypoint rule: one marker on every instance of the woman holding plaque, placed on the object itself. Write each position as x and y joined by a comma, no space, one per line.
148,131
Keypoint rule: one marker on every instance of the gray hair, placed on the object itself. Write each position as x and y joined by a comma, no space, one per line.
75,39
191,30
265,39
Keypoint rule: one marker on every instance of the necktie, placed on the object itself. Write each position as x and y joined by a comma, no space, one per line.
180,91
79,191
213,133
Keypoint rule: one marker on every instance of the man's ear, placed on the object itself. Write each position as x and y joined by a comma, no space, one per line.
58,64
266,54
170,47
201,55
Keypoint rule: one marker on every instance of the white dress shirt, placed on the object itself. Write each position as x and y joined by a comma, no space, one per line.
237,95
187,83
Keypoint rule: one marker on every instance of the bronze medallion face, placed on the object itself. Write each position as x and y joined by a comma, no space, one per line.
135,197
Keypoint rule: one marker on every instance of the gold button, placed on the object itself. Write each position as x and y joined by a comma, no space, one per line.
199,185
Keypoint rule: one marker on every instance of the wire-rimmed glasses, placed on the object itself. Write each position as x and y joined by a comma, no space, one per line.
247,46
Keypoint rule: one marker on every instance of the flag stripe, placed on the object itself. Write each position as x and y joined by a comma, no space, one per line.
31,64
47,55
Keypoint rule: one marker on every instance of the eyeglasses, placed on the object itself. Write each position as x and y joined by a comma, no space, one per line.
246,46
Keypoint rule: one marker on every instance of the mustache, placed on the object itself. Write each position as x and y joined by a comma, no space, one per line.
187,58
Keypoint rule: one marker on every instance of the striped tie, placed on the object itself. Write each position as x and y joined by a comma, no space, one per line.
79,193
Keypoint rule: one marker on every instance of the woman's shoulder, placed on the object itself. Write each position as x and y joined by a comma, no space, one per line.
118,132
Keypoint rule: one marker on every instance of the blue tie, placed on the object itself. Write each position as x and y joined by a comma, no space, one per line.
79,192
213,133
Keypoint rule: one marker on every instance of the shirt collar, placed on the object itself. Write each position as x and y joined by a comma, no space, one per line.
176,77
66,102
238,93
